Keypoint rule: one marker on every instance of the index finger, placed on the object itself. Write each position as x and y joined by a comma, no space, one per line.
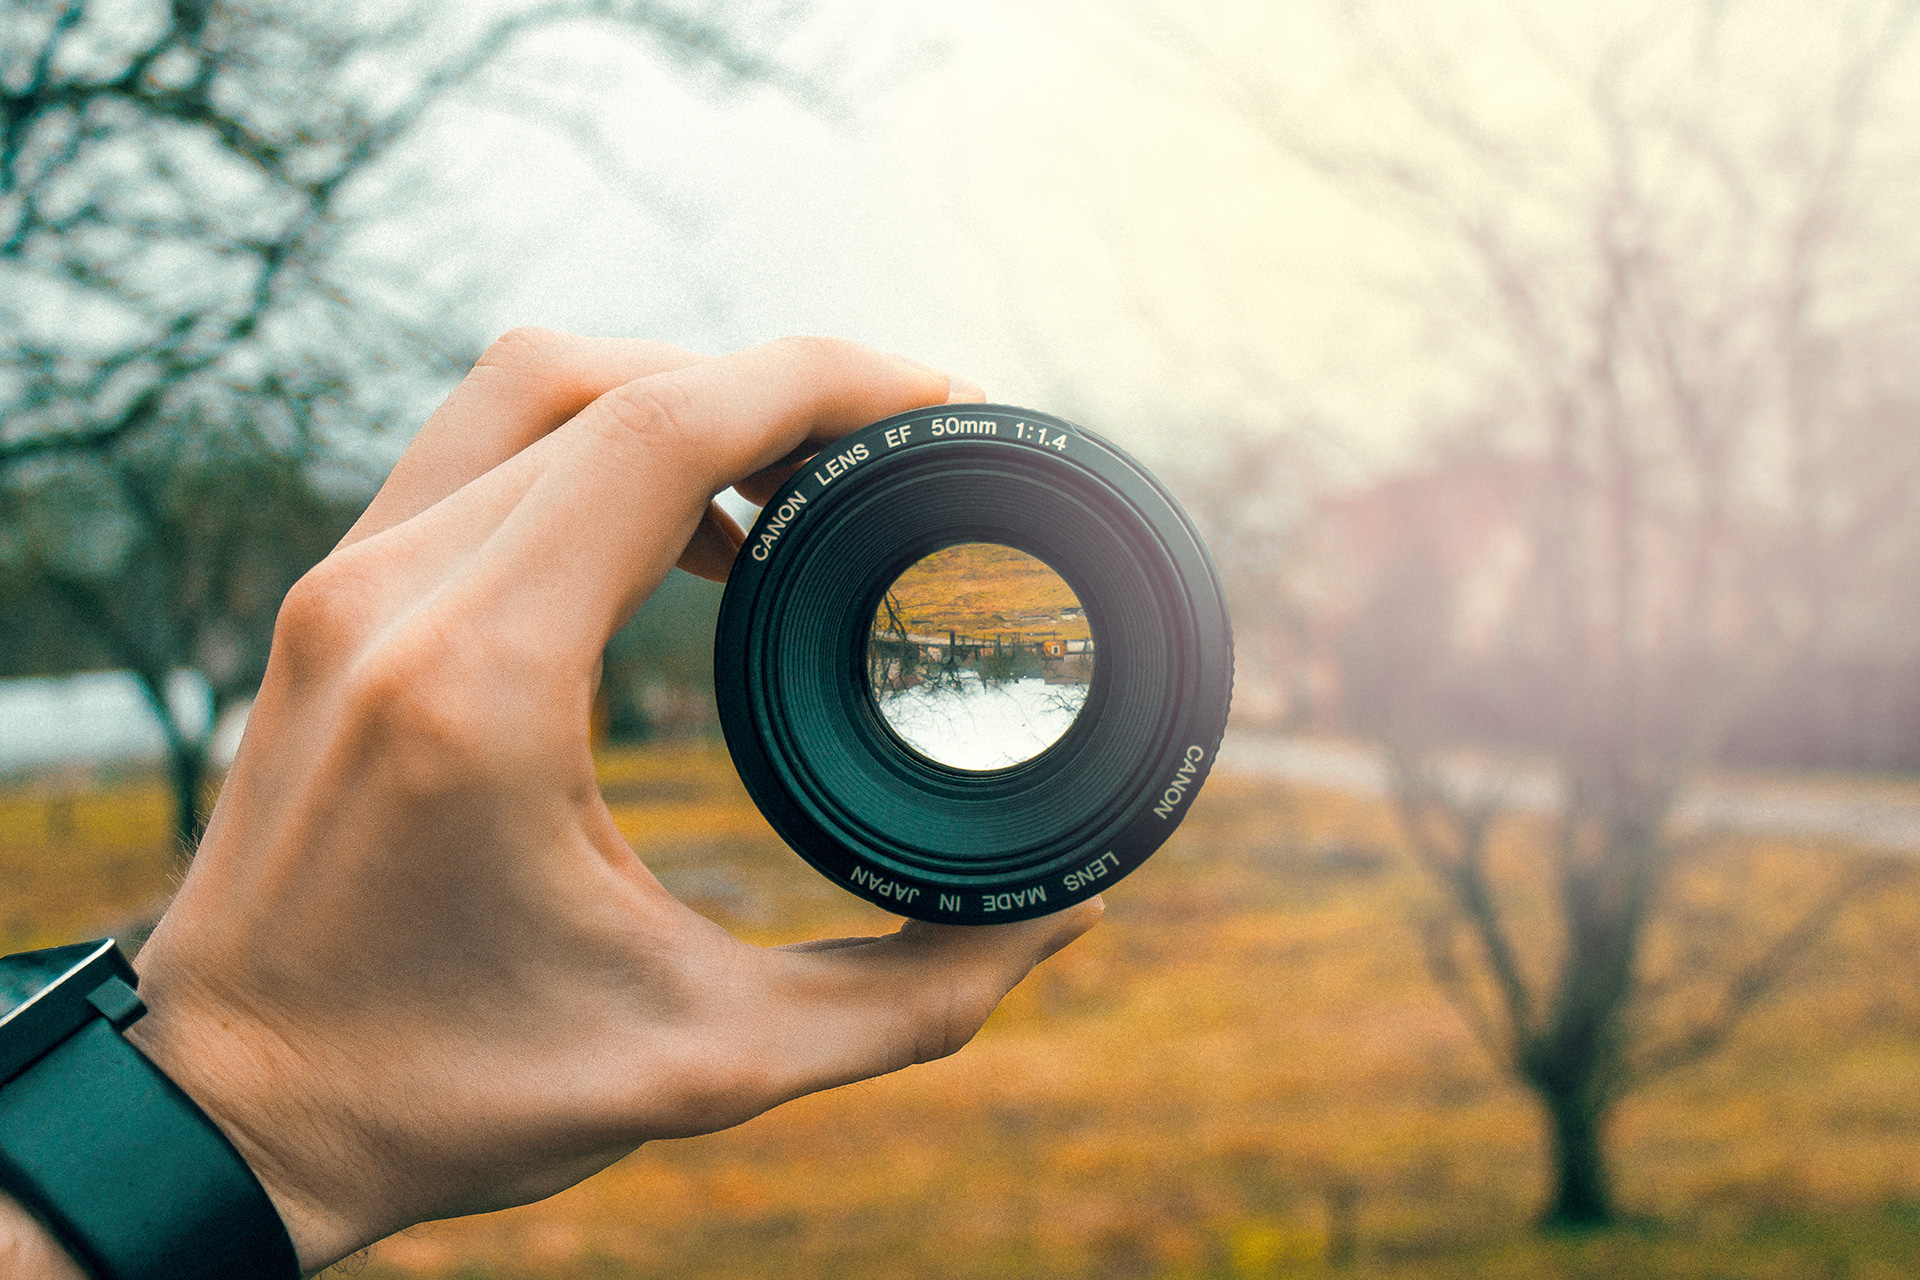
760,487
525,385
632,474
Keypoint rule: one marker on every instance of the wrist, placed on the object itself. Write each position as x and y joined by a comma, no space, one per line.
112,1157
28,1250
230,1070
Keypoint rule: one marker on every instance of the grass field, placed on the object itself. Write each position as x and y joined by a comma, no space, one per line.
1243,1072
985,590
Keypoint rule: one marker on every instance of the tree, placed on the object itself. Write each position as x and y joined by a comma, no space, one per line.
192,581
658,671
1695,331
200,383
1681,389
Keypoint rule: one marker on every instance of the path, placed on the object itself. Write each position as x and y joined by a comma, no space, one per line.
1868,812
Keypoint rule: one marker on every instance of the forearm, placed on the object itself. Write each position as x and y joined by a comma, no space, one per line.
27,1250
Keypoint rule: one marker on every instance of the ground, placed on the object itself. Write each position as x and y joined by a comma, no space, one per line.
1244,1071
984,590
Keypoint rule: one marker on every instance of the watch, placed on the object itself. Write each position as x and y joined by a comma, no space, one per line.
125,1170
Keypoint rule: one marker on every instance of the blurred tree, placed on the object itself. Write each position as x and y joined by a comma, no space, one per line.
1699,461
658,671
1689,368
200,381
179,566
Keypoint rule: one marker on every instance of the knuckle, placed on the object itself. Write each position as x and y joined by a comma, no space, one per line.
430,703
323,617
816,349
962,1009
661,412
718,1092
416,706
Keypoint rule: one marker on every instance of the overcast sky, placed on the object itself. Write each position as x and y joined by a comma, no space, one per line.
1042,204
1066,200
1065,203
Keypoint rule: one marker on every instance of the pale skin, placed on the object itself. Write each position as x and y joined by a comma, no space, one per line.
415,970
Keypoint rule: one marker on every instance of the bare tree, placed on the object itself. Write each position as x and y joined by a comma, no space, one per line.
198,384
1695,340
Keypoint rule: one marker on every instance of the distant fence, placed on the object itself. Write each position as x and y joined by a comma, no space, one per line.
902,661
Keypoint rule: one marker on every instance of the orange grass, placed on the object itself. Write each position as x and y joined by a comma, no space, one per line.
982,589
1243,1072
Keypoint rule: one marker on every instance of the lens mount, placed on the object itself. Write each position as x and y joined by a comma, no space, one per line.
891,825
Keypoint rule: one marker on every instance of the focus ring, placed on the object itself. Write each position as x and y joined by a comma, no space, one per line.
901,830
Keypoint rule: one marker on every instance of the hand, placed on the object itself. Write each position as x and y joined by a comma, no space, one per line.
415,971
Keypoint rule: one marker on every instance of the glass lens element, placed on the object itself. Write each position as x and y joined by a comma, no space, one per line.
979,656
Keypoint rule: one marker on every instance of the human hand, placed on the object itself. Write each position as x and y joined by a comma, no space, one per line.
414,970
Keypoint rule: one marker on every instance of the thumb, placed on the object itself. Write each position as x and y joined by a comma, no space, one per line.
855,1008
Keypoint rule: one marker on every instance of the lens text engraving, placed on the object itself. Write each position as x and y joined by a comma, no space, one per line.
839,464
782,517
882,887
1177,789
1099,869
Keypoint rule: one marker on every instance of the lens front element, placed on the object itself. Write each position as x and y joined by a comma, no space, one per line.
980,657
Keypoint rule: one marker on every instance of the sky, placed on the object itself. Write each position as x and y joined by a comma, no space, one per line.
1040,198
1099,208
1096,208
1092,207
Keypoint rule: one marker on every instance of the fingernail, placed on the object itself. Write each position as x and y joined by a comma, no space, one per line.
1074,922
962,390
958,388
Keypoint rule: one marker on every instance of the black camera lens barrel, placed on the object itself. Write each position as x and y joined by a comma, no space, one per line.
917,837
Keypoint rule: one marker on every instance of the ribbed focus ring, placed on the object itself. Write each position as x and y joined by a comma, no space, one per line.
915,836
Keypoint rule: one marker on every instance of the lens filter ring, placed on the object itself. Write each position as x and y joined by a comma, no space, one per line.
924,839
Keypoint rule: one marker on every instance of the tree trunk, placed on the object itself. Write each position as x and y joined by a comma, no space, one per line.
187,771
186,761
1582,1189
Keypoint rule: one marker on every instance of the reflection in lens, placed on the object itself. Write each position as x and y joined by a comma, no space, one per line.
979,656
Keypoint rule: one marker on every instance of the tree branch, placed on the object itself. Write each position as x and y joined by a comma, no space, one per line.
1462,874
1437,937
1756,981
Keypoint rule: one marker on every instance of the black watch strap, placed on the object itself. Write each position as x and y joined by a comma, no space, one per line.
131,1175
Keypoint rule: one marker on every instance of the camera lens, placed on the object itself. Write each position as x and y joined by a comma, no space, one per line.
973,663
980,657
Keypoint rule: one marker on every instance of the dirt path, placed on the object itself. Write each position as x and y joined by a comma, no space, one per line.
1870,812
